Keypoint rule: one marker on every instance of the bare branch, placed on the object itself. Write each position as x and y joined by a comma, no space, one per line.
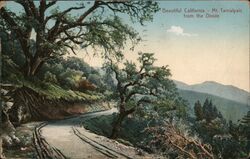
80,19
56,30
70,47
73,38
183,143
63,13
53,2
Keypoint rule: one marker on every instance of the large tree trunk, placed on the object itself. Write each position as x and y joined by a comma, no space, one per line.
35,65
117,125
118,122
31,67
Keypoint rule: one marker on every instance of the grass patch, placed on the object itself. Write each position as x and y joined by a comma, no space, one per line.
53,91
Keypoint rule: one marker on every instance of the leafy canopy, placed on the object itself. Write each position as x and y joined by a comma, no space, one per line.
140,86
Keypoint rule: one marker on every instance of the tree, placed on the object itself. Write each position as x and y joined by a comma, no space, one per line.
138,87
69,78
59,31
198,110
246,119
83,85
214,123
207,110
210,111
49,77
77,64
245,128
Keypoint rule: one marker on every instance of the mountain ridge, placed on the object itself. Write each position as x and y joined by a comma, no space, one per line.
214,88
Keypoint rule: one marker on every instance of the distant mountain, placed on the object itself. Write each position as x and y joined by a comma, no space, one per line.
231,110
225,91
182,85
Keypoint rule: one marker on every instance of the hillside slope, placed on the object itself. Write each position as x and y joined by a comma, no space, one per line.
231,110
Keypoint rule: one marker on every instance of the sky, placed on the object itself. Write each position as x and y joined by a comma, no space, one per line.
196,49
206,49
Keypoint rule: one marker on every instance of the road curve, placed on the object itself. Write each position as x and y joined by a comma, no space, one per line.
75,142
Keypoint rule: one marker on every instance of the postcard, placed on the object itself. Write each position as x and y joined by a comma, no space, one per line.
146,79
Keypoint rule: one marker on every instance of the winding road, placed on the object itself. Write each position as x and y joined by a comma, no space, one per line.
68,139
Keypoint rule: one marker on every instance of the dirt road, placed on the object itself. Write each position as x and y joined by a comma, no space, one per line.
74,141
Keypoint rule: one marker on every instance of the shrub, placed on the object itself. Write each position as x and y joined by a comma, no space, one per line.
83,85
49,77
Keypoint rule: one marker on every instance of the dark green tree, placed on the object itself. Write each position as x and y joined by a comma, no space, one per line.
207,108
77,64
245,129
210,111
198,111
227,140
142,86
57,31
246,119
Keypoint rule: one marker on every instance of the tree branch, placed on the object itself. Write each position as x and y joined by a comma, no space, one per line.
72,38
63,13
23,37
79,21
53,2
71,48
55,30
127,112
33,8
5,15
42,9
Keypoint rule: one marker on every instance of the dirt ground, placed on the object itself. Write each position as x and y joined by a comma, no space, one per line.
75,142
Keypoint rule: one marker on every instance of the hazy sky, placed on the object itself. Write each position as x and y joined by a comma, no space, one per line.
196,49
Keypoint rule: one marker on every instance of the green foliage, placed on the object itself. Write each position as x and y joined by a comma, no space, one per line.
229,109
77,64
95,78
10,72
132,130
245,129
228,148
69,77
143,87
198,111
50,86
232,142
227,139
246,119
70,71
49,77
210,111
11,48
209,120
61,30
